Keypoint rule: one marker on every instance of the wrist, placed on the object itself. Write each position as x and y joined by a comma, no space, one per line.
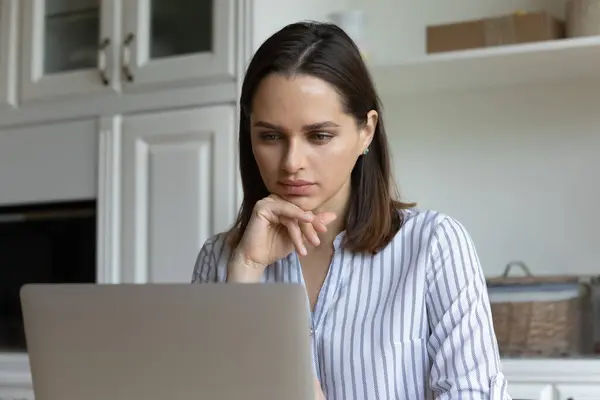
242,270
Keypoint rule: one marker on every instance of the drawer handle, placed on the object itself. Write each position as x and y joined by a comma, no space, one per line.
103,66
127,57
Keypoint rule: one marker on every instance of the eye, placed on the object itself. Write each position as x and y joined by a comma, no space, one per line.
321,136
269,136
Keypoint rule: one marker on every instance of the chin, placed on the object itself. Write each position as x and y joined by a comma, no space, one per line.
306,203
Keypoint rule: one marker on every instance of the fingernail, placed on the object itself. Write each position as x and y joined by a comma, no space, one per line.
308,216
303,250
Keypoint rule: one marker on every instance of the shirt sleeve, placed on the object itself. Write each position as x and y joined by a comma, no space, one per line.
462,344
206,265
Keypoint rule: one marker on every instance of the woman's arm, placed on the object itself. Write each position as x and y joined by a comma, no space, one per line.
206,268
216,263
462,345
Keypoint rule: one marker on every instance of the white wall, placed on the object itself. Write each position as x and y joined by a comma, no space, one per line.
271,15
519,167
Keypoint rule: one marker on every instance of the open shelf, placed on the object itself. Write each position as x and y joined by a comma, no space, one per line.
533,63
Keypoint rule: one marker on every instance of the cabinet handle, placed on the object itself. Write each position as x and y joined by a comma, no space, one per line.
102,64
127,57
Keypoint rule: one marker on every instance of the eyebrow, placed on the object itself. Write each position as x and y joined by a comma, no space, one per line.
310,127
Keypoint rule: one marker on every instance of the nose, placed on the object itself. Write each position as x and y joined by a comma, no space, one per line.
293,157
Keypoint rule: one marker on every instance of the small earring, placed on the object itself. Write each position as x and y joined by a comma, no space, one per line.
365,151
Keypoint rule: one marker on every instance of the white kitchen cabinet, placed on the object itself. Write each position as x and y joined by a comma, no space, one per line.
9,23
531,391
577,391
98,53
15,378
49,162
177,42
552,379
87,47
550,391
171,177
68,48
10,393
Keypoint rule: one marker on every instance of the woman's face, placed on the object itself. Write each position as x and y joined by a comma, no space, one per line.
303,142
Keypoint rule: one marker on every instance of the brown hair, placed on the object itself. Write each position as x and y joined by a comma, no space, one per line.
325,51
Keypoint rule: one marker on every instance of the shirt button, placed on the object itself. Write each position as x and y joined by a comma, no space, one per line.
312,332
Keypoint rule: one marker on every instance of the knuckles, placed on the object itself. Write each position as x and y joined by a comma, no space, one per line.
263,203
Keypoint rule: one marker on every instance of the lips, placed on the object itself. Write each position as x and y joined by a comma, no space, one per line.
295,182
297,187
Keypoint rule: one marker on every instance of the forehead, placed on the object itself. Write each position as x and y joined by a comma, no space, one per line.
295,100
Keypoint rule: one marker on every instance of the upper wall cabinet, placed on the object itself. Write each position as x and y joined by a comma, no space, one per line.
177,41
9,19
68,46
99,46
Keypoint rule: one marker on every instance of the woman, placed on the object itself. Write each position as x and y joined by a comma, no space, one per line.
398,298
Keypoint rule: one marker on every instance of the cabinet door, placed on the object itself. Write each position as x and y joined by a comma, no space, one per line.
177,189
49,162
16,394
177,42
68,47
578,391
9,20
531,391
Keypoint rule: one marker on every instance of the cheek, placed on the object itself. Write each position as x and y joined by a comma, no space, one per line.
267,159
336,163
342,151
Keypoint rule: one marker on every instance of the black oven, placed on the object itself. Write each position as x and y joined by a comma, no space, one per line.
42,243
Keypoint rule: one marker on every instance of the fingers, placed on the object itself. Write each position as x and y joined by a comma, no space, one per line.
310,233
301,232
302,226
273,210
322,220
295,234
309,229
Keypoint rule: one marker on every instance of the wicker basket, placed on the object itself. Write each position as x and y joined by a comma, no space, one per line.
553,327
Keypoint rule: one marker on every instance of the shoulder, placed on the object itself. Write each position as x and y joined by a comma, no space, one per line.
448,247
211,261
215,242
426,224
434,233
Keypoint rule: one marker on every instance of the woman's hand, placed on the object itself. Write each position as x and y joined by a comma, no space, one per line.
274,230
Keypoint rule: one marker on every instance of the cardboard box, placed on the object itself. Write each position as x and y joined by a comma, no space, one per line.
497,31
582,18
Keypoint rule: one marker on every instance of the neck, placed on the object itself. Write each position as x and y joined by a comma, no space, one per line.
339,205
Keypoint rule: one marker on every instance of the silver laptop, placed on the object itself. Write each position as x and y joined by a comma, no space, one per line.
168,341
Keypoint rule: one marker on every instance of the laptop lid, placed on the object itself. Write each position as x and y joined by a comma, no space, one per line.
168,341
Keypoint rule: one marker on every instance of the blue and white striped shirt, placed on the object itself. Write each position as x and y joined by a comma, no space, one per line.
412,322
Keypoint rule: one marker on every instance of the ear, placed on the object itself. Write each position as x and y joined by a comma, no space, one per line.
368,130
